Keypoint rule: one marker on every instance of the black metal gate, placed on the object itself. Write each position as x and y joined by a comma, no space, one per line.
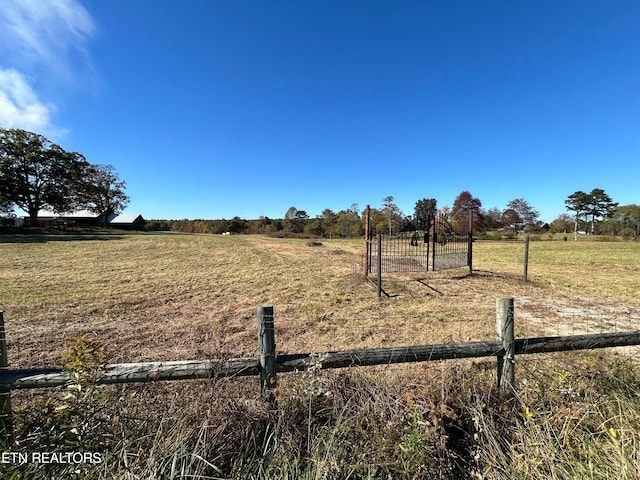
450,248
439,247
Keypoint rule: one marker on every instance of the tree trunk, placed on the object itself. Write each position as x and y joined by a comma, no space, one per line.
33,218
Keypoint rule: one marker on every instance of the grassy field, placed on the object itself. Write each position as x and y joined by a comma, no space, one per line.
153,297
175,296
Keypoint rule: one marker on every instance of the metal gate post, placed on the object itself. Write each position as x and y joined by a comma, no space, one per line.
433,247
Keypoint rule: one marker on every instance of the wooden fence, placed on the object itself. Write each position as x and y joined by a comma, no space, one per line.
268,363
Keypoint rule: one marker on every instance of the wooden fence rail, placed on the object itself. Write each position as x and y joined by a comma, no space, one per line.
268,363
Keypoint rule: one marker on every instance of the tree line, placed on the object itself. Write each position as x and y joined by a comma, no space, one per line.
593,213
345,223
38,175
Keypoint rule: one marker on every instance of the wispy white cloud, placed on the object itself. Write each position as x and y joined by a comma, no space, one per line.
42,43
37,32
20,107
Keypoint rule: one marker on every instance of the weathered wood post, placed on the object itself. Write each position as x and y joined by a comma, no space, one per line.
6,421
505,331
267,348
367,258
470,243
379,263
525,276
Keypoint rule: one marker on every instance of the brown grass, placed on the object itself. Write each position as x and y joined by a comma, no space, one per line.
174,296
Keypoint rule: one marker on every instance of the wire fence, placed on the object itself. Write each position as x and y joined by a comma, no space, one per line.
455,324
540,328
575,318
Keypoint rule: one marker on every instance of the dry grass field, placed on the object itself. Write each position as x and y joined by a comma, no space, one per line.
176,296
154,297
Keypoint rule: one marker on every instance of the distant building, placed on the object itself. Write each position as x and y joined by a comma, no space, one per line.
81,218
124,221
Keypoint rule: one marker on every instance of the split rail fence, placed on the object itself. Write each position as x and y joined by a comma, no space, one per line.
268,363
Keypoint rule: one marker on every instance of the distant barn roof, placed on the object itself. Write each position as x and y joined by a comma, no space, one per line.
124,218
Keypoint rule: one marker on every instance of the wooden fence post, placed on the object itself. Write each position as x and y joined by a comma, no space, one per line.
470,243
267,348
379,263
505,331
367,240
6,421
526,259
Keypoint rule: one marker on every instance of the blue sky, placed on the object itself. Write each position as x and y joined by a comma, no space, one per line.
216,109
